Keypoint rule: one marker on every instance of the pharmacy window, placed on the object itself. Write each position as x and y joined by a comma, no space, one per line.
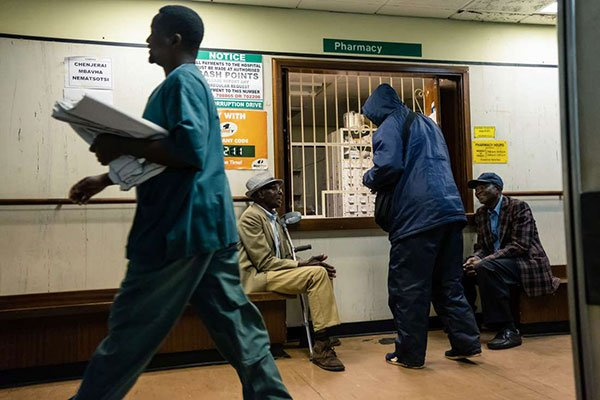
324,142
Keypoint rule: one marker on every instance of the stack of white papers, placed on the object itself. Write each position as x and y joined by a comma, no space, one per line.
90,117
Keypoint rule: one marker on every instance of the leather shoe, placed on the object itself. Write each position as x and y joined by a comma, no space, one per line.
505,339
324,356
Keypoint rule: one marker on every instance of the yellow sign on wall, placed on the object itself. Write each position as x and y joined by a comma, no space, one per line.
490,151
244,135
487,132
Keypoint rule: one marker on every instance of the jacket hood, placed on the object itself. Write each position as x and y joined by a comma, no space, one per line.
381,103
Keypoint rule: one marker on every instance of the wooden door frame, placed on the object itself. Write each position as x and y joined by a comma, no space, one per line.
460,74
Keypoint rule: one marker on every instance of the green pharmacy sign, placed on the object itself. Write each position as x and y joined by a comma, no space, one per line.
372,48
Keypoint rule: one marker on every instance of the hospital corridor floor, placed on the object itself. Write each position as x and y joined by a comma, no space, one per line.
542,368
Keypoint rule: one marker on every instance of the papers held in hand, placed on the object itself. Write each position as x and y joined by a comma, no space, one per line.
90,117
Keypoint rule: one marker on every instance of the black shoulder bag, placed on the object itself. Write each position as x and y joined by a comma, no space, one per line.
384,201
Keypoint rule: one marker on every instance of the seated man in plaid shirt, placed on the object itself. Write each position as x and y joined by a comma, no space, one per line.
508,252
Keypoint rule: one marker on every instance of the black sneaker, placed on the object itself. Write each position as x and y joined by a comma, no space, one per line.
392,358
456,355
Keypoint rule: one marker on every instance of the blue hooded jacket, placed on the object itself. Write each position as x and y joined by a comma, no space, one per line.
425,194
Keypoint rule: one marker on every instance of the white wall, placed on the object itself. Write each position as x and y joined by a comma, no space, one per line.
522,103
47,250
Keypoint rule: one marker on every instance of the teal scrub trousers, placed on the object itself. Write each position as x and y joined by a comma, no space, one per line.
152,298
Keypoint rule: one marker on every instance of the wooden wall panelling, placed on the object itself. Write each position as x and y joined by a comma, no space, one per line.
61,328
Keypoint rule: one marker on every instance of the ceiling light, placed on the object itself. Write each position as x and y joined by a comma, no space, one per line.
551,8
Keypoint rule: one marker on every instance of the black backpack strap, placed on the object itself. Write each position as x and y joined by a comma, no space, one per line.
406,132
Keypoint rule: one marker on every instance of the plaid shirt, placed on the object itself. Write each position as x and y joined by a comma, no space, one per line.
518,239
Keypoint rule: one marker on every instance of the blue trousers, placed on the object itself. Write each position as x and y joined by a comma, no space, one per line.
152,298
427,268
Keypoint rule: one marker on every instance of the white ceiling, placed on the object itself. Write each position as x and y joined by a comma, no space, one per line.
511,11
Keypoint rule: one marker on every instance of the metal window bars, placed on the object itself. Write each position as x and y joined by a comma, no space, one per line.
330,140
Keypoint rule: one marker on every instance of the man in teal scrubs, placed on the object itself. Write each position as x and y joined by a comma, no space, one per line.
182,245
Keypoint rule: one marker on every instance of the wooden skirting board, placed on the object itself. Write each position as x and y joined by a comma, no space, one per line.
61,328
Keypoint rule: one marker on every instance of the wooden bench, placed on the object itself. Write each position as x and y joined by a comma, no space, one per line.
545,309
61,328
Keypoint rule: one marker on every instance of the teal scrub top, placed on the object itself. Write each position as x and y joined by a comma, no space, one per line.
184,212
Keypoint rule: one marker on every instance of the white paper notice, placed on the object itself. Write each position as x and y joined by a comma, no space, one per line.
76,94
89,72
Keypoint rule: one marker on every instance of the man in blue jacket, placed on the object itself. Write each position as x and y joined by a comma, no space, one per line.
182,245
425,230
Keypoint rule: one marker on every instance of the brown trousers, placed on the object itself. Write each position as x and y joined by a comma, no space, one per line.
313,281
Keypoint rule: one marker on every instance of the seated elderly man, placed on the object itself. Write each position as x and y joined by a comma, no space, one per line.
266,264
508,252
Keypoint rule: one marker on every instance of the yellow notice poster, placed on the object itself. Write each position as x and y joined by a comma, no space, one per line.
485,132
244,135
490,151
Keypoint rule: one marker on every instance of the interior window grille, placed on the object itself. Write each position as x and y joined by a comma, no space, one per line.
330,139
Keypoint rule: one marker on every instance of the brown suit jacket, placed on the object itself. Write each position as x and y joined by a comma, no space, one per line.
519,240
257,249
